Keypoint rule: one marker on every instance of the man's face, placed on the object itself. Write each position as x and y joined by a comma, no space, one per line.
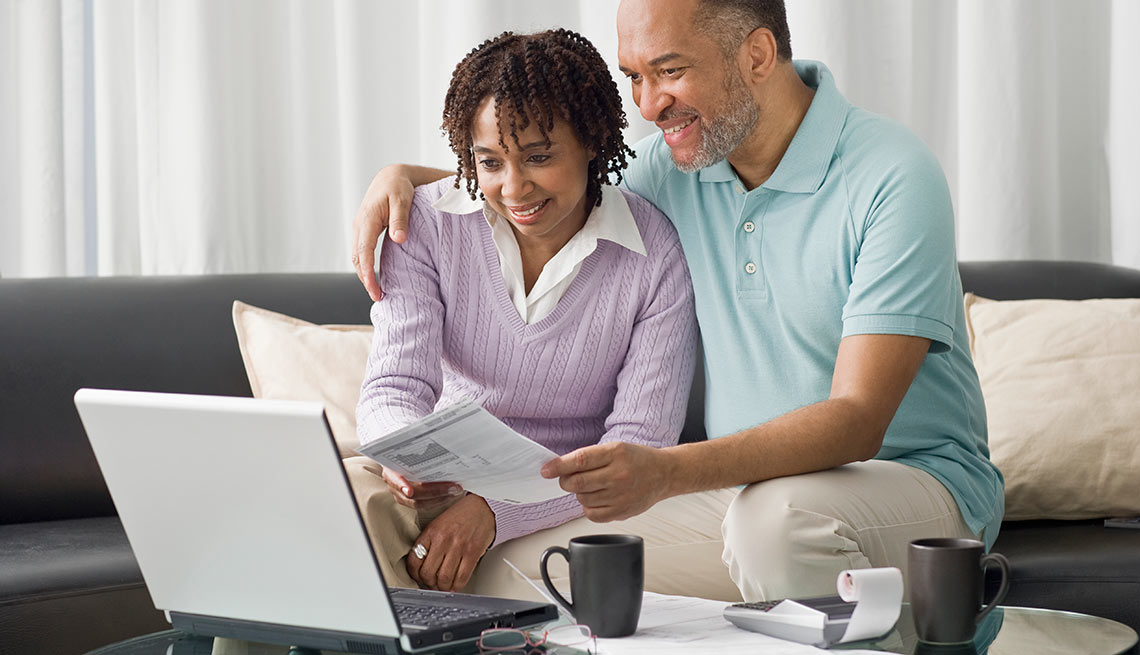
682,82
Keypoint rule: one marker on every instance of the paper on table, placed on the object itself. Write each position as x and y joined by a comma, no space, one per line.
679,624
541,592
878,594
465,444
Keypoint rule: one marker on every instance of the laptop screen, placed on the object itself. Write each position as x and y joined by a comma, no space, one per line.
237,508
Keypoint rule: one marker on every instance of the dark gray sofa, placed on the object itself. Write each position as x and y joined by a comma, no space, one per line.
68,580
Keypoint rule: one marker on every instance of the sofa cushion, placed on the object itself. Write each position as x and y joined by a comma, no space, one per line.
1059,380
70,586
1080,566
59,557
290,359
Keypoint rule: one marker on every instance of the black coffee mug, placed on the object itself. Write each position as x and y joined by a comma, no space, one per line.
607,575
946,577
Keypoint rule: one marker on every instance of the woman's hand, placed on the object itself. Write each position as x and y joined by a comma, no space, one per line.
421,496
454,544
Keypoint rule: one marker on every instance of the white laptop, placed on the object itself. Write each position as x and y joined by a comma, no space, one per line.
244,525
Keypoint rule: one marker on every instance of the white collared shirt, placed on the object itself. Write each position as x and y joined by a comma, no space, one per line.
612,221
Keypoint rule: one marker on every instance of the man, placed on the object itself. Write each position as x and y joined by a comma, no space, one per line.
820,239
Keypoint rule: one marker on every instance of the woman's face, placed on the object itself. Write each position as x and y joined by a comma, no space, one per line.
540,188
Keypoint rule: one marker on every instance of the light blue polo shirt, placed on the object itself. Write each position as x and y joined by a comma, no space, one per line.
852,234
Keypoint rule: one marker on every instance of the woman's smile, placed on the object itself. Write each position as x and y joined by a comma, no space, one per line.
528,214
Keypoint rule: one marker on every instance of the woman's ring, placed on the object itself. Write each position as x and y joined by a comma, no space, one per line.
420,551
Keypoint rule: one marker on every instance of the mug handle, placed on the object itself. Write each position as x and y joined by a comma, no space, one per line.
546,576
1003,588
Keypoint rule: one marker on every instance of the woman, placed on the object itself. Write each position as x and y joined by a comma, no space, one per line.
559,303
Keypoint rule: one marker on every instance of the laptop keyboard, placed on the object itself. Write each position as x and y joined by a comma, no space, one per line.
425,616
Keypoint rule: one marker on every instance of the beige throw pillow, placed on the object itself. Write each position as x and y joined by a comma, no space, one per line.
1061,381
290,359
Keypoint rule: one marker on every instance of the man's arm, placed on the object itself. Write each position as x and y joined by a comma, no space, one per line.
403,377
386,203
872,374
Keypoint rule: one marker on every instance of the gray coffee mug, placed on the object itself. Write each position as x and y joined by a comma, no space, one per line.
946,577
607,574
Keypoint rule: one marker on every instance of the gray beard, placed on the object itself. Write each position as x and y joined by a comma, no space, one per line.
723,132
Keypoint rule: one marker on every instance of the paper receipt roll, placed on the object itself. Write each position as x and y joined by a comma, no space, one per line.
878,594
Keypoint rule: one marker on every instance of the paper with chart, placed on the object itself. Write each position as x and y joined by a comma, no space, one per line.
465,444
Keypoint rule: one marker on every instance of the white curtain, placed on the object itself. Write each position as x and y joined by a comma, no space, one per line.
42,145
205,136
1031,106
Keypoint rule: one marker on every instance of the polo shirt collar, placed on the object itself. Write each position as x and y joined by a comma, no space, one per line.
804,165
718,172
612,221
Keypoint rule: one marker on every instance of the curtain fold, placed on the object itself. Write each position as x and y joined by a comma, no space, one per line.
1034,126
207,136
41,141
1122,138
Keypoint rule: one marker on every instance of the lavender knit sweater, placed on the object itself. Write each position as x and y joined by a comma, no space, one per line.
612,362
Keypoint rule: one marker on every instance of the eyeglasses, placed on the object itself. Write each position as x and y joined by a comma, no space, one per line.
498,640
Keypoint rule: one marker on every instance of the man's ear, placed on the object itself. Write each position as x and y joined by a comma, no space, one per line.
760,54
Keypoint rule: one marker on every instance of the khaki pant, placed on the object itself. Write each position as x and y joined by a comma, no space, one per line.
784,537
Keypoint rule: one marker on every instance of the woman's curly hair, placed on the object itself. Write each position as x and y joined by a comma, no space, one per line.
539,77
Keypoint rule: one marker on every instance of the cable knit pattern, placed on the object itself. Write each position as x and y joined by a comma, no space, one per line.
612,362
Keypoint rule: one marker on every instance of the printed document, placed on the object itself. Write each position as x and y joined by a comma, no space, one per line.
682,625
465,444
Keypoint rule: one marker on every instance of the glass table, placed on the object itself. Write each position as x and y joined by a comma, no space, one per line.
1018,631
173,642
1005,631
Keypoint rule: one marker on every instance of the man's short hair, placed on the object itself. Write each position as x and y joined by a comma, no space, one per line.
730,21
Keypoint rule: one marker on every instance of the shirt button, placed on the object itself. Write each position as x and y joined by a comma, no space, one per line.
750,268
739,189
750,227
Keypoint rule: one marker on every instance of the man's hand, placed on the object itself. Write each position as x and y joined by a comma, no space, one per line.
616,480
421,496
385,204
455,542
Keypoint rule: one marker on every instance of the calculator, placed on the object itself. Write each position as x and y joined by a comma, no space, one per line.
800,626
